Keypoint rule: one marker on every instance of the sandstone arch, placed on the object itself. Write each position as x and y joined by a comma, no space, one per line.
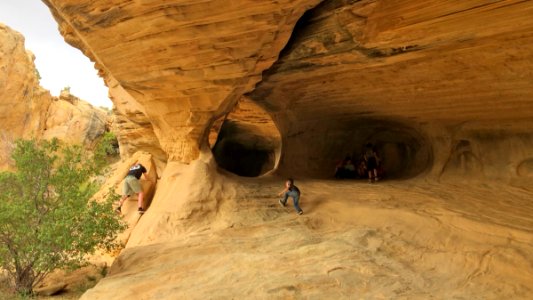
246,141
179,94
423,75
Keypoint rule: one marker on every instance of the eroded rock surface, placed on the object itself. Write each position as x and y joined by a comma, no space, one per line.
75,121
185,62
394,240
403,76
133,128
23,103
246,141
406,77
441,88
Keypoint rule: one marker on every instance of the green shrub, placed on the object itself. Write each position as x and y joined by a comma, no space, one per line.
47,218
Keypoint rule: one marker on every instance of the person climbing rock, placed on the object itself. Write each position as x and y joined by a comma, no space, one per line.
133,185
291,191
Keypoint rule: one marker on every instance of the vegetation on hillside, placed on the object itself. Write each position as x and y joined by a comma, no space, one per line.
47,218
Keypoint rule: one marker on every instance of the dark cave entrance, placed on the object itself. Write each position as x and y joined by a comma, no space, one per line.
324,120
314,153
246,142
404,152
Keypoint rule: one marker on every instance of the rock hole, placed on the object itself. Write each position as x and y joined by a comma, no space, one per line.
246,142
404,152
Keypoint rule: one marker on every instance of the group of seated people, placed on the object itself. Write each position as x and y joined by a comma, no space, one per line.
367,165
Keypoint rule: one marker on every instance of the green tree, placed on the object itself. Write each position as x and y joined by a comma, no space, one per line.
108,144
47,218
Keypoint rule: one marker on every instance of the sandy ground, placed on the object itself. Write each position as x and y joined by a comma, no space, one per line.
392,240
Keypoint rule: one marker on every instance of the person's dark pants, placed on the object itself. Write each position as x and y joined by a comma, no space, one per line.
295,199
371,164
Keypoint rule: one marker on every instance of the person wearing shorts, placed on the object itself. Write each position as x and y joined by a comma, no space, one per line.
132,185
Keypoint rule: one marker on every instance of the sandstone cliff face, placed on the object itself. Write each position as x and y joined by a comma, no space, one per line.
406,77
186,63
24,103
441,88
73,120
402,76
29,111
132,127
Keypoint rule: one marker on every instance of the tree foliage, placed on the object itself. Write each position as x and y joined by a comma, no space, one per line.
37,74
47,217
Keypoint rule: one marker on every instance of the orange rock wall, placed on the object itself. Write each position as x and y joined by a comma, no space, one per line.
29,111
131,125
23,103
185,62
359,71
443,89
351,69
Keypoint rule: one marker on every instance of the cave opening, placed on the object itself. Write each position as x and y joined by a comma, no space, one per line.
326,110
246,142
316,151
403,151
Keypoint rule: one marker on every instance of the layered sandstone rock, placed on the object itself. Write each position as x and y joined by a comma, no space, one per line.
185,62
406,240
75,121
401,76
441,88
409,78
23,103
29,111
246,141
131,125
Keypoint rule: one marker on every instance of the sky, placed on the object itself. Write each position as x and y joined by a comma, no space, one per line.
59,64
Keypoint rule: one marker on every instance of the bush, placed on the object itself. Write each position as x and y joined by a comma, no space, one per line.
108,144
47,218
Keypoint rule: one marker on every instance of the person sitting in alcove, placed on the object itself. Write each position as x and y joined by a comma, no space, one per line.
361,168
339,168
345,169
349,169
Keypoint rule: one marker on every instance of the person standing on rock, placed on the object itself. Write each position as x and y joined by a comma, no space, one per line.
372,162
291,191
132,185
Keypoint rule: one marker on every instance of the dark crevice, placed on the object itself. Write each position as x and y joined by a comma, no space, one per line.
243,151
246,142
403,151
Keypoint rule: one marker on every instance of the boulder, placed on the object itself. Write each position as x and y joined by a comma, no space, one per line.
51,289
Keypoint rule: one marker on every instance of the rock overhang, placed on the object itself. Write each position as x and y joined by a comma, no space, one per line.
186,64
